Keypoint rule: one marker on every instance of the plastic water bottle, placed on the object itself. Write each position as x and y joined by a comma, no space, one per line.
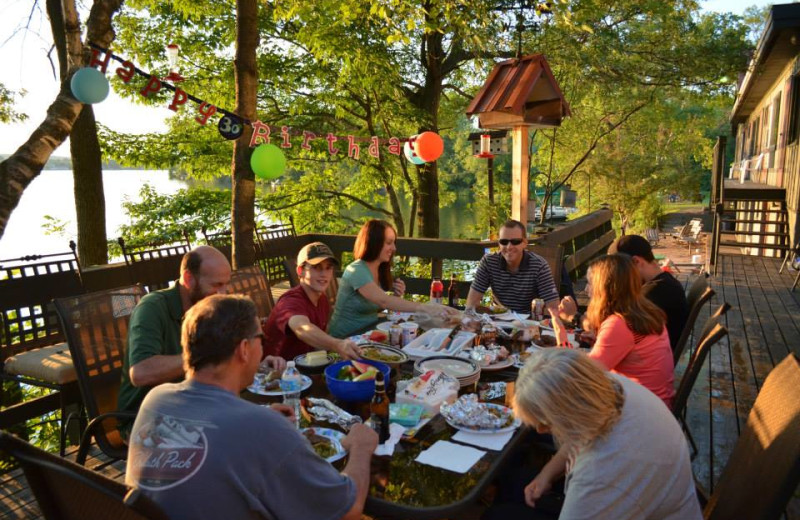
291,382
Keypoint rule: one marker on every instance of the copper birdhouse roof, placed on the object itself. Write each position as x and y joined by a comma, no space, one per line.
520,92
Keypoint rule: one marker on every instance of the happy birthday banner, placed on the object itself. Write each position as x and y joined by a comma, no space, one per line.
90,85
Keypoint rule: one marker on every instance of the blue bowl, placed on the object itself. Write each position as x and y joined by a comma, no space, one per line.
353,390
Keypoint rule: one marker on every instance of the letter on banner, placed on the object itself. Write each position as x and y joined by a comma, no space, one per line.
206,110
178,99
285,136
96,61
353,150
153,86
332,139
394,145
374,147
126,71
307,137
260,130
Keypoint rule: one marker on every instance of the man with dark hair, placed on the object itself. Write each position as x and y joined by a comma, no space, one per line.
200,451
517,276
298,322
660,287
153,353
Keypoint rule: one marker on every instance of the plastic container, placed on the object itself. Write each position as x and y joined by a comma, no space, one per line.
405,414
353,390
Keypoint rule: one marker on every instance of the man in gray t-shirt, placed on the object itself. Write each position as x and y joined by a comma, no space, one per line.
200,451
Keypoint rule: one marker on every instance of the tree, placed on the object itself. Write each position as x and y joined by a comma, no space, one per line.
21,167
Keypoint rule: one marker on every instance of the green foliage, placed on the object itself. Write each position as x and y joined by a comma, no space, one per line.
7,112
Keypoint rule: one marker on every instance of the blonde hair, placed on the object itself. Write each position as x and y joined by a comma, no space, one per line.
571,394
617,289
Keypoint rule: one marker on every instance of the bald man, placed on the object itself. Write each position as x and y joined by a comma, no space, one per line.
153,354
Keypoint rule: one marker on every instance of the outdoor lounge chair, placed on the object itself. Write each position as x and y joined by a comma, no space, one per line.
763,471
67,491
96,327
274,244
250,281
652,235
32,347
222,240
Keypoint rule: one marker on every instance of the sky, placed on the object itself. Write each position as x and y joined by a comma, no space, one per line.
24,64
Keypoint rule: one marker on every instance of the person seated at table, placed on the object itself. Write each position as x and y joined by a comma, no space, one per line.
517,277
365,282
623,453
660,287
200,451
297,323
631,336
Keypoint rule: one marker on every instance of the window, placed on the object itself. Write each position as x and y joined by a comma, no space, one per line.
794,110
773,132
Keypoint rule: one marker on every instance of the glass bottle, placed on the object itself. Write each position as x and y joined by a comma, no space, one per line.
452,292
379,409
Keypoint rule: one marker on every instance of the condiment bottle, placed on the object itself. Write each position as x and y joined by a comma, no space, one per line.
437,290
379,409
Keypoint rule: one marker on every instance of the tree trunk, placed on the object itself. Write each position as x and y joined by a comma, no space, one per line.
87,169
244,187
396,209
21,167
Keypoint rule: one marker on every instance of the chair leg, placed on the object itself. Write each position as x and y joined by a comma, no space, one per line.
796,280
693,451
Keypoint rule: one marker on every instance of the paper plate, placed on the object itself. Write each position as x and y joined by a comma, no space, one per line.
336,439
257,388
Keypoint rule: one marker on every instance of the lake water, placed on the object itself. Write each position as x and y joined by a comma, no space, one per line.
51,193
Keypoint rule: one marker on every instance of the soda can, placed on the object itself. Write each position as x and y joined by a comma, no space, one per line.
395,335
538,309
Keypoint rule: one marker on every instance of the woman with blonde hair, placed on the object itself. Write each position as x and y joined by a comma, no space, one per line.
623,453
366,281
632,337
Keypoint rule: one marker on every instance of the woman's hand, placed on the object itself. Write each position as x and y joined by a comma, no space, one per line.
437,309
399,288
537,487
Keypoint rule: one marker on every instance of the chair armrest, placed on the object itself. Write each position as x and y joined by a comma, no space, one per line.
92,427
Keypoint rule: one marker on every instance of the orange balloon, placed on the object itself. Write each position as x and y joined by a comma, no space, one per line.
428,146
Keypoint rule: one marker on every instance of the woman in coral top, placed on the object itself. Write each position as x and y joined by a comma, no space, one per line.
632,338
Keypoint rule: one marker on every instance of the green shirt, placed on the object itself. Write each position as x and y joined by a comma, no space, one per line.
353,312
154,329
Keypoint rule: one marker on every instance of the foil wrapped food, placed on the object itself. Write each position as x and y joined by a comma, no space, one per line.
469,412
324,410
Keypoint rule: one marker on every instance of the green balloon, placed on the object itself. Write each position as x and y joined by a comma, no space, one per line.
268,161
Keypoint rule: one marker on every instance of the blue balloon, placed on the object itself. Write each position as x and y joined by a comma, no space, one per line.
410,155
89,85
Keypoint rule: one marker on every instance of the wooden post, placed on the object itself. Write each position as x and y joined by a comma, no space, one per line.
520,164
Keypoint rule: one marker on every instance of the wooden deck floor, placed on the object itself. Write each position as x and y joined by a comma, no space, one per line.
763,324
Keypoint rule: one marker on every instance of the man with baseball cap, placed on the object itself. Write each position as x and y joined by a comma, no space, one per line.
298,322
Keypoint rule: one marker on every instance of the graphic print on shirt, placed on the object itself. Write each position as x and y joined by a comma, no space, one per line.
167,451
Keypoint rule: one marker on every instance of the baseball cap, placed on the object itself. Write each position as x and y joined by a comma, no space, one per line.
632,245
315,253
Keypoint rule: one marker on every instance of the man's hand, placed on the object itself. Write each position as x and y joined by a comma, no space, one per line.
348,349
275,363
567,308
285,410
361,437
399,288
537,487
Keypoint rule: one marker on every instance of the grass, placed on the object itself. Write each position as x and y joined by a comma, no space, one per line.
678,207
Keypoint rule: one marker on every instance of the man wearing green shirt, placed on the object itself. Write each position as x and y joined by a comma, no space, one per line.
153,354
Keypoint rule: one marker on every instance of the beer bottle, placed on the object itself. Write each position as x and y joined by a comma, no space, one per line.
379,409
452,291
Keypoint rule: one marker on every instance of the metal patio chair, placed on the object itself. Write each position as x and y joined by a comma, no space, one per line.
154,265
699,293
251,281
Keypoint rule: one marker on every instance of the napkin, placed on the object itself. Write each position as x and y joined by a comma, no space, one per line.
449,456
491,441
395,433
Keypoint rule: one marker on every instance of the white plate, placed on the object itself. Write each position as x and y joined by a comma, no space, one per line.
508,325
461,369
506,412
258,389
420,347
500,365
335,436
384,326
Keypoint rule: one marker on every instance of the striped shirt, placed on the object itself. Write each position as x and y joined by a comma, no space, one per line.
515,291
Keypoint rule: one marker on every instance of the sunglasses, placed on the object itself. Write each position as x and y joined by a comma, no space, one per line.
512,241
260,335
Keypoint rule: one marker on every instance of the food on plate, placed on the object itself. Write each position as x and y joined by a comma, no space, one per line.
355,371
269,381
497,309
323,446
546,341
378,336
430,390
546,323
526,333
315,358
486,356
379,354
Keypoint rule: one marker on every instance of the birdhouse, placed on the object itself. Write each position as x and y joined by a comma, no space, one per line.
520,92
491,143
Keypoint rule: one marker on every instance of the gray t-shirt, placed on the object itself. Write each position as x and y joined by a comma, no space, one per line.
641,470
202,452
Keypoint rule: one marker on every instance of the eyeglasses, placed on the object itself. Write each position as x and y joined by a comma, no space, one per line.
260,335
512,241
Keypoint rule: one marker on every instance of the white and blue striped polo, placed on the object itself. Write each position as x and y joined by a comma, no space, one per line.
515,291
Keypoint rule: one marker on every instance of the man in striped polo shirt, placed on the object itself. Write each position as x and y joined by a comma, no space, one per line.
517,276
